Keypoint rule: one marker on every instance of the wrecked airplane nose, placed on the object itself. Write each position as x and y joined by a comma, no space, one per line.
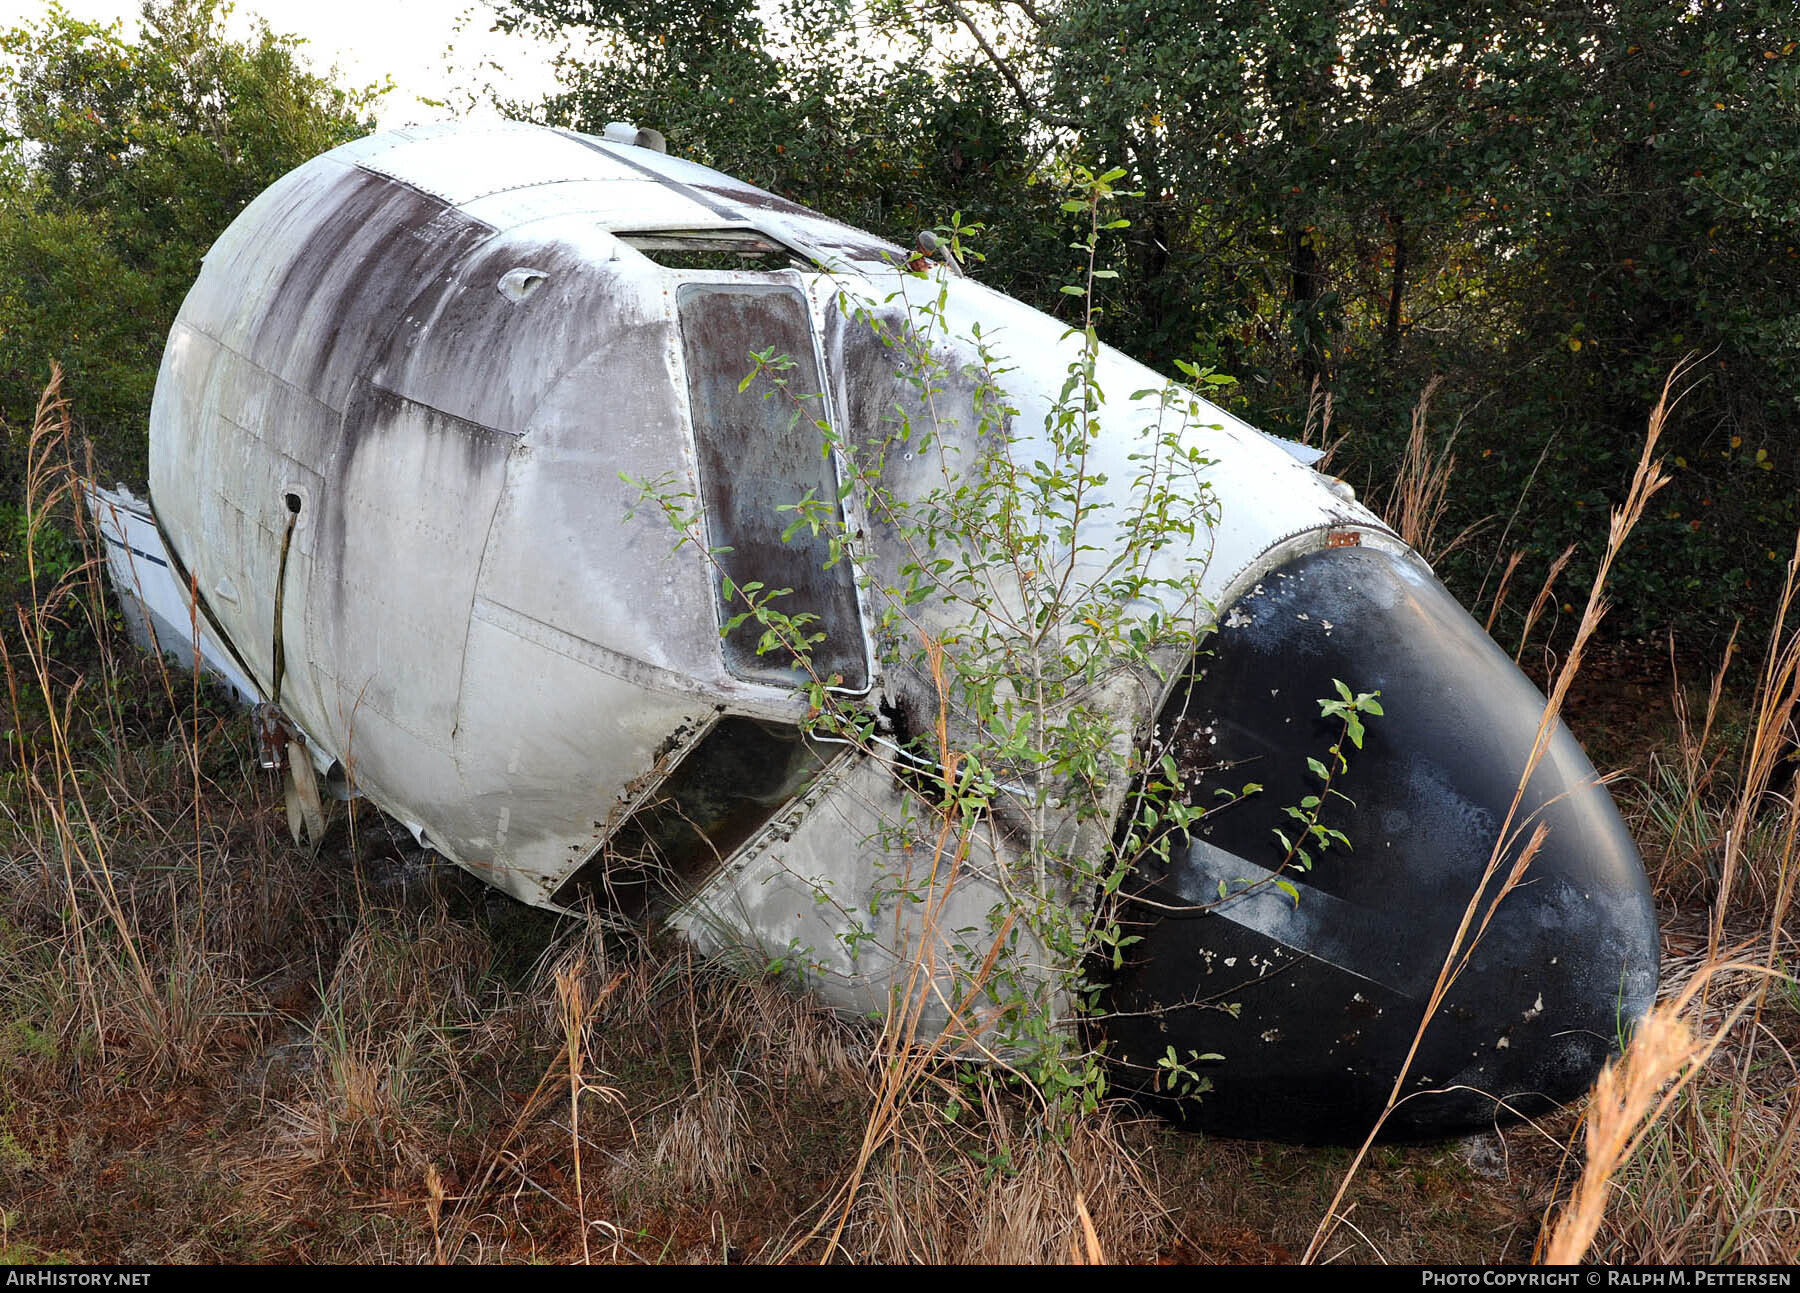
474,440
1310,988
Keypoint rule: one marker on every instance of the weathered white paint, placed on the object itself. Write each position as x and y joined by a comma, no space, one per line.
473,630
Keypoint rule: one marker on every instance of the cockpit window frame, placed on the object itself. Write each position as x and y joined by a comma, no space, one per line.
720,463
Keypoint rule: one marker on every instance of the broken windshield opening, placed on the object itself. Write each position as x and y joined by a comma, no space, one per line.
725,789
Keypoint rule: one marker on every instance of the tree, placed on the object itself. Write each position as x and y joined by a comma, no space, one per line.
861,110
122,160
1548,205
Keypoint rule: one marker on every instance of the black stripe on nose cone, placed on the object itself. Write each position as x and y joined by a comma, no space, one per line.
1311,1004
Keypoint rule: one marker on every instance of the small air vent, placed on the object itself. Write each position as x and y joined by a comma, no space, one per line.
623,132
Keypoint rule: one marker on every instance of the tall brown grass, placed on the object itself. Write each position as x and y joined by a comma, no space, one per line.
163,1001
1513,852
213,1046
1691,1135
1416,502
1693,1138
999,1191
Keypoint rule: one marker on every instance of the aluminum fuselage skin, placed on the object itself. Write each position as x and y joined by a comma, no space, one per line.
436,344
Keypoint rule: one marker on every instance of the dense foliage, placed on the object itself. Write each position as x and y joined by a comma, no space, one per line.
1546,203
120,161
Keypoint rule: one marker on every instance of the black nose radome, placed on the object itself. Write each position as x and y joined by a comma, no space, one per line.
1312,1002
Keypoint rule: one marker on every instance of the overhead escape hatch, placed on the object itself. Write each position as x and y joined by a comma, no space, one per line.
715,249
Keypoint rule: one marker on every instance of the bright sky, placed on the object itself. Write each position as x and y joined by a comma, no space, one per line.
433,49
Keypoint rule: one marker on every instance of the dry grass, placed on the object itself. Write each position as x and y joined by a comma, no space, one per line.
1420,495
1513,851
1005,1190
1700,1183
1545,599
1694,1136
383,1063
214,1047
1316,429
1687,1182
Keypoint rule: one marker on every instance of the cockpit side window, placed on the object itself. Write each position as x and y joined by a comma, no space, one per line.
760,451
